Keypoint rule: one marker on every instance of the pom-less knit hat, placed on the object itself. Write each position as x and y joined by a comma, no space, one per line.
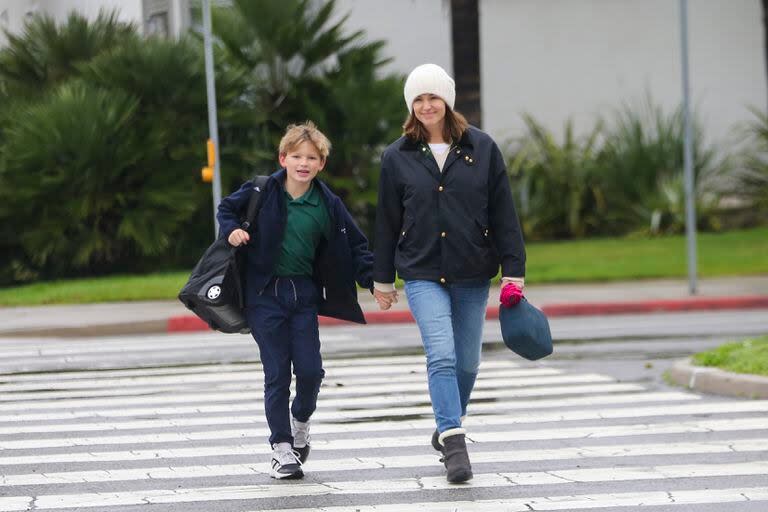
429,79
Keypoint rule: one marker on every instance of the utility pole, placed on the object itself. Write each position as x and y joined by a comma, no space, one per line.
213,127
690,205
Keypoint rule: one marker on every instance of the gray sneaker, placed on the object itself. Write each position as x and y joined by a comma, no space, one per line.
300,431
284,463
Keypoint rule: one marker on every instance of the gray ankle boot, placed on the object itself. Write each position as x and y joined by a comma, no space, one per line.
455,456
435,437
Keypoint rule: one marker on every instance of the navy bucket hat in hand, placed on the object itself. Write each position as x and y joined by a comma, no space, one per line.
525,330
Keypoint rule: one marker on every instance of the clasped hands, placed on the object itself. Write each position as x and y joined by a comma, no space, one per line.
385,299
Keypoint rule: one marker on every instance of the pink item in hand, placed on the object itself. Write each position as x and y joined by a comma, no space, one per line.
510,295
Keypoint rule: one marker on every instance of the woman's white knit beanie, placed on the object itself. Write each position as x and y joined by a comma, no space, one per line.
429,79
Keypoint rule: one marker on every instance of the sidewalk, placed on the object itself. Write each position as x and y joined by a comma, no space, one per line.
555,300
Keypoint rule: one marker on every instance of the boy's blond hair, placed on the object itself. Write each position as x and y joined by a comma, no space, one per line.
295,134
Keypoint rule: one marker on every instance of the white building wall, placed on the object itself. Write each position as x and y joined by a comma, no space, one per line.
416,31
15,12
128,10
560,59
12,16
583,58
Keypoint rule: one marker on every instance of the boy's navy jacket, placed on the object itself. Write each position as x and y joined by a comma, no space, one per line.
339,262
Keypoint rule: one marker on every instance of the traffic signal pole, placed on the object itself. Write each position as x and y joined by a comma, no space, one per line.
213,128
690,189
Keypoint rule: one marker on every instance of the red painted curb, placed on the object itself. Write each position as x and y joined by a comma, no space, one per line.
656,306
190,323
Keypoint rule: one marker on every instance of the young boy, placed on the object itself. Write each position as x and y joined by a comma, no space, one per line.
304,254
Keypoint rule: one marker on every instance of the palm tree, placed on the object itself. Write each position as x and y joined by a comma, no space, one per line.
465,40
299,63
46,54
99,162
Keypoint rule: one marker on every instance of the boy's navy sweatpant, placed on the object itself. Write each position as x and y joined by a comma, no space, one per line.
283,321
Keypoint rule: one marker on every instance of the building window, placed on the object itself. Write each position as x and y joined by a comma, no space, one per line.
157,25
157,18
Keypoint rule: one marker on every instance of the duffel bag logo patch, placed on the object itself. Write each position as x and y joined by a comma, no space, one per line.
214,292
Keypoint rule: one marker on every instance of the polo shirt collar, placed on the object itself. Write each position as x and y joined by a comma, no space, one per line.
310,197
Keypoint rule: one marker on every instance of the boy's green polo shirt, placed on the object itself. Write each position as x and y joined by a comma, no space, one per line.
308,222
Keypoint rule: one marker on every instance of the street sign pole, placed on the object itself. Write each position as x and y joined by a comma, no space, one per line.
690,206
213,128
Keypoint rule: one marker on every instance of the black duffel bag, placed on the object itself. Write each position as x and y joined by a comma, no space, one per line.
214,290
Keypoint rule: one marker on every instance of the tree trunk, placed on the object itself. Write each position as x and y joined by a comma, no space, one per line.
465,40
765,33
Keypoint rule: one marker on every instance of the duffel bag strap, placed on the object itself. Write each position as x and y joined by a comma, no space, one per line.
255,202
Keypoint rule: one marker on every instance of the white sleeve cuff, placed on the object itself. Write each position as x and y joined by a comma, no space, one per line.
384,287
519,281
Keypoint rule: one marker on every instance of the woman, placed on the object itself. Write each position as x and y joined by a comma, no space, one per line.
445,221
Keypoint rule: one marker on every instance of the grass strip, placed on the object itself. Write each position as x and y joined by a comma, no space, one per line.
734,253
748,356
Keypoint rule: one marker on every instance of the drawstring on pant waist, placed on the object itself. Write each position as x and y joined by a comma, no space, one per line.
295,295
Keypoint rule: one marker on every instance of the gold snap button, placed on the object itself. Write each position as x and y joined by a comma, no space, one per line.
442,280
442,234
440,188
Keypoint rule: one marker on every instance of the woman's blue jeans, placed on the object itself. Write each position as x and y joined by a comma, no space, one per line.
450,319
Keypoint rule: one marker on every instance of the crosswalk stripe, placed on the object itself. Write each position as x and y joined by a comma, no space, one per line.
361,373
568,503
217,368
106,347
519,417
401,485
251,394
207,399
254,381
363,463
593,431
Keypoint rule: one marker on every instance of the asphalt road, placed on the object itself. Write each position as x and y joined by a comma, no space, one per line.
175,423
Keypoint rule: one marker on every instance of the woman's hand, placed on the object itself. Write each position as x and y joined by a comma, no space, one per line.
238,237
511,293
385,299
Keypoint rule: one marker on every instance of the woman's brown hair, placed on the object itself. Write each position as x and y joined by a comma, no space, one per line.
454,127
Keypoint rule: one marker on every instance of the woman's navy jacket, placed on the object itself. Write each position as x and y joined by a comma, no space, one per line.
339,261
453,226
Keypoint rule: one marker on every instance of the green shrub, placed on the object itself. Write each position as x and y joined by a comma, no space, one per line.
555,183
623,177
641,171
752,175
85,188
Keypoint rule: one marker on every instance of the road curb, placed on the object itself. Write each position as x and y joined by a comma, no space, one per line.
191,323
714,380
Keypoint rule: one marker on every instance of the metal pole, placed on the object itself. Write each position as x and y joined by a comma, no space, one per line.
213,128
690,206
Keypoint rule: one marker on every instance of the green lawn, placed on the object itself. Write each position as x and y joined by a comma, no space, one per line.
749,356
726,254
